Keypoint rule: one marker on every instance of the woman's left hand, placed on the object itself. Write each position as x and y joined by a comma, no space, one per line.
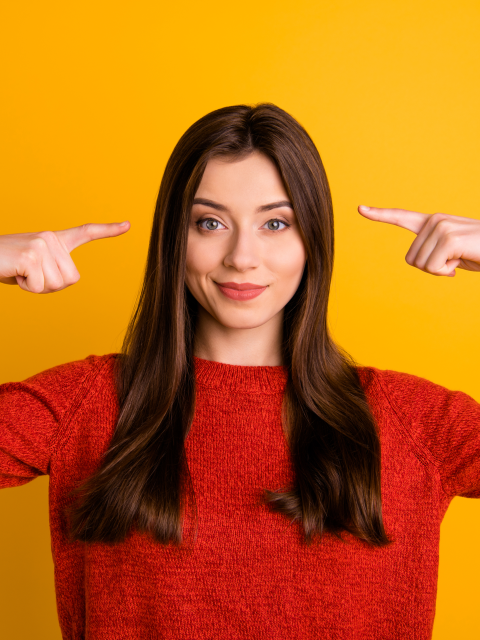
443,243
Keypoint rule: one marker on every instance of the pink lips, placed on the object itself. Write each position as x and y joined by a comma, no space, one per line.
240,291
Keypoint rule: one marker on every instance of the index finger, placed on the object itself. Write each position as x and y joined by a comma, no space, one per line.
411,220
76,236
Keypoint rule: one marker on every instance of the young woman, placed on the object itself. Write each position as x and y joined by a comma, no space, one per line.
232,474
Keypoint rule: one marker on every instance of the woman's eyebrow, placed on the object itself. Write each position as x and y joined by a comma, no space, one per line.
265,207
275,205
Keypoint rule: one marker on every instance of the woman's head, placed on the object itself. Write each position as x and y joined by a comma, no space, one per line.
240,158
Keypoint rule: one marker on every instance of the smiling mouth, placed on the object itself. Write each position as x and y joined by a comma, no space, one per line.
240,286
240,291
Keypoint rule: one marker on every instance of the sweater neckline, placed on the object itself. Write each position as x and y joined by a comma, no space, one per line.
256,379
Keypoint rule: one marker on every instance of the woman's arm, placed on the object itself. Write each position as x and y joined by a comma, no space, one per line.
41,263
32,412
443,243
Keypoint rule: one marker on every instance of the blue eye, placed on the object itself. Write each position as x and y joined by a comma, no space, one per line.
274,225
211,224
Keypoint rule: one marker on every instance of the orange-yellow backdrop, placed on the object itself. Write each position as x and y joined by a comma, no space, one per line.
96,94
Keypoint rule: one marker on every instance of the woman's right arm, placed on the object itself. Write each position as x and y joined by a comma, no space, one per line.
41,262
32,411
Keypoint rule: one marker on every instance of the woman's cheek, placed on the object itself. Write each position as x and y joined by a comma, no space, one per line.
290,262
201,258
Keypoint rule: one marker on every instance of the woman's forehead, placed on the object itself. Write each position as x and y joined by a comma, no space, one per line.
251,178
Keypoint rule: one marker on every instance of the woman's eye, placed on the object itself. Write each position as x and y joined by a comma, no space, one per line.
274,225
210,224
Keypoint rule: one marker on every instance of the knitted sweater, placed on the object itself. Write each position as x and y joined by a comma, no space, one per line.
249,574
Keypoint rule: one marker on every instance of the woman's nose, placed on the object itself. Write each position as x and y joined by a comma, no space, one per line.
243,252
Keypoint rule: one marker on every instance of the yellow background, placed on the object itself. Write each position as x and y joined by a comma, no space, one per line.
95,96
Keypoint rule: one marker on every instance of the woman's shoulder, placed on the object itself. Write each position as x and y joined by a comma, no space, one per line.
75,372
370,375
444,424
407,392
58,387
37,414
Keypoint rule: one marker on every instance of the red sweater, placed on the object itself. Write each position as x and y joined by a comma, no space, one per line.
248,575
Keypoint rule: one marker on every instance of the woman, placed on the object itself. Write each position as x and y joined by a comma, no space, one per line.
232,474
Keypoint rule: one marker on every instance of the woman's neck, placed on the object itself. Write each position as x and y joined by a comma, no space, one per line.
259,346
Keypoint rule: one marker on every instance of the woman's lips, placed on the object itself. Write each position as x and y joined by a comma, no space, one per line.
244,291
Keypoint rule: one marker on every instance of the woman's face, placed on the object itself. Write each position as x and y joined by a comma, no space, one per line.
243,235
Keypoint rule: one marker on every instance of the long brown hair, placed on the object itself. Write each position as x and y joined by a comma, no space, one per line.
143,480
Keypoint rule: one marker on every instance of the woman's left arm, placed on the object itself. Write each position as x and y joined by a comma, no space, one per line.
443,243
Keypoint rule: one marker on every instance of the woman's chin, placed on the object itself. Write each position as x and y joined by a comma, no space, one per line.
242,320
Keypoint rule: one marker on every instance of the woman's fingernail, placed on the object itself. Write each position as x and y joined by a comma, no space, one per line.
364,208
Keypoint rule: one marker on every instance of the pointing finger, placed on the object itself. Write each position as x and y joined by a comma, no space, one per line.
411,220
76,236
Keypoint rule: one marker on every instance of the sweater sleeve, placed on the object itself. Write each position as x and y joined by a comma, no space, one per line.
33,413
444,424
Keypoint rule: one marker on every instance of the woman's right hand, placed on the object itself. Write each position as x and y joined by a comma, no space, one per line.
41,262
